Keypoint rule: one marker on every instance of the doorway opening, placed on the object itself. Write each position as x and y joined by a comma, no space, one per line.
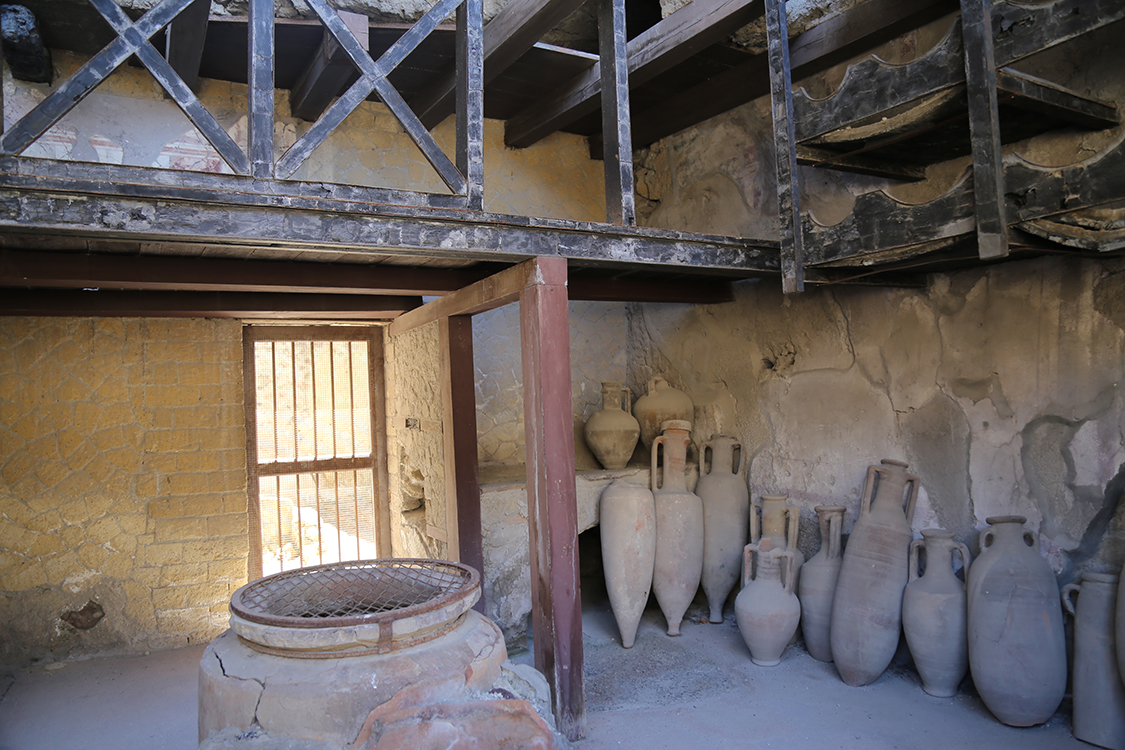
314,480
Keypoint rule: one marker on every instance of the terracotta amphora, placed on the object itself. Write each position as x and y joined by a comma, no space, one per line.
1099,695
818,583
726,505
679,525
1017,650
934,613
773,517
661,403
627,518
867,608
612,432
767,610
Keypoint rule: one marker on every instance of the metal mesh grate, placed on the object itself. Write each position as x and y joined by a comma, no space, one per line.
350,593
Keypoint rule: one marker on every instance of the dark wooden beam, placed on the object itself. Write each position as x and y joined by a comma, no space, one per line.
551,495
620,204
511,33
470,100
1047,98
327,72
984,128
684,290
860,164
843,36
23,49
685,32
160,272
261,98
183,42
784,145
203,304
462,475
105,202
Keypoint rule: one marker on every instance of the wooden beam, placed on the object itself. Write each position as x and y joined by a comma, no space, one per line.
20,268
784,145
328,70
377,380
497,290
261,63
619,200
685,32
470,101
108,202
462,476
1047,98
551,495
984,127
511,33
841,37
203,304
183,42
685,290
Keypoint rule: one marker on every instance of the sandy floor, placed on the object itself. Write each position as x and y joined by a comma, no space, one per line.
698,690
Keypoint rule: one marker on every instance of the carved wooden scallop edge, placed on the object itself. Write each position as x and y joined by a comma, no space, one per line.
879,222
874,85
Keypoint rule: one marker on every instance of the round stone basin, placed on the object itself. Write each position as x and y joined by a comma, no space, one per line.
353,608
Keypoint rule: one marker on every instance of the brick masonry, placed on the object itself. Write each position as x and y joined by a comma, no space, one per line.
122,481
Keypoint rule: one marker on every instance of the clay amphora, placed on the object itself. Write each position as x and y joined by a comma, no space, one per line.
612,432
1120,638
726,505
818,583
627,517
1099,696
1017,652
767,610
661,403
867,608
679,525
934,613
779,522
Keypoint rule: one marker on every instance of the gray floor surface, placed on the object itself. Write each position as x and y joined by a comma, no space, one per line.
697,690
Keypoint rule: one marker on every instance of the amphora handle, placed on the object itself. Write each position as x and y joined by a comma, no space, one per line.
914,547
1068,592
656,443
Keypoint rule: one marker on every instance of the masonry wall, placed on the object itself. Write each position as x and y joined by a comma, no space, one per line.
122,482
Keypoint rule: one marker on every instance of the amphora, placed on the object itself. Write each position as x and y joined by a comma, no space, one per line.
726,505
679,525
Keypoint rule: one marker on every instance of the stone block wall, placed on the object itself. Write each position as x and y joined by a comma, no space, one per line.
1001,387
122,482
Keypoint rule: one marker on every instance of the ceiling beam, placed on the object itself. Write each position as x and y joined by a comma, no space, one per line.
836,40
689,30
163,304
37,269
328,70
514,30
183,42
105,201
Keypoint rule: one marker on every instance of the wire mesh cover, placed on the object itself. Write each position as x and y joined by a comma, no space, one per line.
354,593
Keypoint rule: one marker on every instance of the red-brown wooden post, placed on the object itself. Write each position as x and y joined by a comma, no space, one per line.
551,496
462,470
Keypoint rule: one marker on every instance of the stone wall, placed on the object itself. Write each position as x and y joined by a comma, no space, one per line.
122,482
1001,387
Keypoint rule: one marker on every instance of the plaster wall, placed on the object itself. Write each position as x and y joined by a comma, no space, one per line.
122,482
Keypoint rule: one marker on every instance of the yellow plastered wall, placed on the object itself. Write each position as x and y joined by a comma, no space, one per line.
122,481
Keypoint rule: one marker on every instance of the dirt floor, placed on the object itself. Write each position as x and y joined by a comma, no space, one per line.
697,690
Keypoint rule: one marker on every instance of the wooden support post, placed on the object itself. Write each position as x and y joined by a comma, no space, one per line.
462,478
551,495
376,374
784,143
616,129
984,127
183,44
260,120
470,100
328,70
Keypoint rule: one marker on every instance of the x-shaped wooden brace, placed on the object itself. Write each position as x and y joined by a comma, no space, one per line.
132,39
373,77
